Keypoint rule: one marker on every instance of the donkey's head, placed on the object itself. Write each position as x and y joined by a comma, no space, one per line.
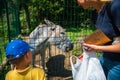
58,37
50,33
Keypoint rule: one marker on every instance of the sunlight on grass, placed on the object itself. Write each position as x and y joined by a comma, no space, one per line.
76,36
82,33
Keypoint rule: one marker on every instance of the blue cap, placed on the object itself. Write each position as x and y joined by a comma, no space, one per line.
16,49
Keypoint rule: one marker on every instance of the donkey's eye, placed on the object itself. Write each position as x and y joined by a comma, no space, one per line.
52,29
62,33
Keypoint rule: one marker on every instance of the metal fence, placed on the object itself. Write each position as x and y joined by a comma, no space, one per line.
20,18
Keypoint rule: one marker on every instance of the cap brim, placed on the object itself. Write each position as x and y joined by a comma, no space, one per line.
12,59
31,47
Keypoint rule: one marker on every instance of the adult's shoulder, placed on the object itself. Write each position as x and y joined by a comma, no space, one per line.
115,8
116,4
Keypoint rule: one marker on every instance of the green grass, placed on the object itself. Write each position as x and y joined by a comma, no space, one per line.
78,32
75,34
77,50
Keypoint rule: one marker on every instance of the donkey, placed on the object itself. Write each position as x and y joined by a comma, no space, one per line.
48,34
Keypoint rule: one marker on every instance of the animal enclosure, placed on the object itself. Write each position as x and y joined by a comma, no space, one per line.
54,39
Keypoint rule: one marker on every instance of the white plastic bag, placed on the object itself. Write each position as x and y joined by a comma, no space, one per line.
87,69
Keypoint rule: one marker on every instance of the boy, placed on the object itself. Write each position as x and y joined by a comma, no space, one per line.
18,54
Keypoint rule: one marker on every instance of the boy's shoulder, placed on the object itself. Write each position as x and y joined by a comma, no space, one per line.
37,69
34,70
9,73
36,73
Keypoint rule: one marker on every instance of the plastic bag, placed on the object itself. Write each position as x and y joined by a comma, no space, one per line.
87,69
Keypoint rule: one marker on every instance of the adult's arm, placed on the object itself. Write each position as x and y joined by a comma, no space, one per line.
108,48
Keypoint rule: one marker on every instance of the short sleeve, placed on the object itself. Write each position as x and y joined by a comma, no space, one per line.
115,12
39,74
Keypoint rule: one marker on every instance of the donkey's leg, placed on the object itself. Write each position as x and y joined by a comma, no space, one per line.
43,59
49,53
33,59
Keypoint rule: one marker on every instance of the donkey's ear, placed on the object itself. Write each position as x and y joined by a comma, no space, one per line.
49,23
64,30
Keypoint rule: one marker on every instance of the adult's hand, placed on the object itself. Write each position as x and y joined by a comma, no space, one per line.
108,48
91,47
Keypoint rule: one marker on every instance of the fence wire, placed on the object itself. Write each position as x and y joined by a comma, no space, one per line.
19,19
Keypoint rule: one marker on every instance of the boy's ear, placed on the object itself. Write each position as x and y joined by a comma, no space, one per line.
27,54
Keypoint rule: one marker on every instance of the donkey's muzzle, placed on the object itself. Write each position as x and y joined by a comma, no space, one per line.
67,47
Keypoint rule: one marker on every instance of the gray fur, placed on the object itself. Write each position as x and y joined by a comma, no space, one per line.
47,34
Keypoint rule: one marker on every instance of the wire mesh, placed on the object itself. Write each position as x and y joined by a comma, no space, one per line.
19,19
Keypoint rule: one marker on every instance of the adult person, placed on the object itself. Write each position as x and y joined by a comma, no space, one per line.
18,54
108,21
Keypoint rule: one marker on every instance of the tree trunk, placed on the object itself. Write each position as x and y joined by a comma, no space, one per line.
27,16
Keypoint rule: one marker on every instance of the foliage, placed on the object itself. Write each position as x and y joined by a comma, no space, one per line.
84,29
4,71
25,15
64,12
2,6
52,10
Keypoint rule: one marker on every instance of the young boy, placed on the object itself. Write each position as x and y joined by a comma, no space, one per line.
18,54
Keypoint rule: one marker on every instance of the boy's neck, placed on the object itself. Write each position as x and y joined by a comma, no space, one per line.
21,67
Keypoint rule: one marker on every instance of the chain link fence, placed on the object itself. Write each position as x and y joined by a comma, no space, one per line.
19,18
